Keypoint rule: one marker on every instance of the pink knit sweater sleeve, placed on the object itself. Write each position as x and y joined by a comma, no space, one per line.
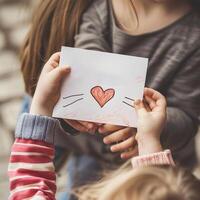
159,158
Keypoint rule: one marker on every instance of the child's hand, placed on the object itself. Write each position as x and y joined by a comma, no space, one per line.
151,121
48,88
121,139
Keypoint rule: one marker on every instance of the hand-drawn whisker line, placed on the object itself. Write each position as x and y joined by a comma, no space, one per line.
75,95
129,99
128,104
72,102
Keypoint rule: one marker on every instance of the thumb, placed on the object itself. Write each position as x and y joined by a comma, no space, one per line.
139,107
59,73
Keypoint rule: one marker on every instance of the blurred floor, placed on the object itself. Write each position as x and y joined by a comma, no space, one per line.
14,20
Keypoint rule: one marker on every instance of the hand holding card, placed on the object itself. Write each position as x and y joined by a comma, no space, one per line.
48,87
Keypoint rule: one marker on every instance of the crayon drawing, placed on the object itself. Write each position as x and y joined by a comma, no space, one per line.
102,96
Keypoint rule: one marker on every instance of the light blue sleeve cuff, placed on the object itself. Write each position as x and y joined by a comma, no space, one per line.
37,127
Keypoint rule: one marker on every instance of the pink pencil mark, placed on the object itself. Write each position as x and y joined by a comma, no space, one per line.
139,79
102,96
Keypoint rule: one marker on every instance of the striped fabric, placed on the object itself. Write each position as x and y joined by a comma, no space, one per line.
31,171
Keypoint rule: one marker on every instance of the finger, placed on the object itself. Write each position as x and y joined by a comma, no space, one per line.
76,125
125,145
151,103
130,154
107,128
120,135
88,124
91,127
161,104
79,125
139,107
146,105
149,91
156,96
55,57
59,73
52,63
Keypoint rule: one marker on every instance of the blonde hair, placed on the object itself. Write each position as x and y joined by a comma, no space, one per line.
147,183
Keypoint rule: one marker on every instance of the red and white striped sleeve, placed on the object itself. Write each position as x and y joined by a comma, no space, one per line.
31,170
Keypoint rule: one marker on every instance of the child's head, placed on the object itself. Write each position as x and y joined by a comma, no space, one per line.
148,183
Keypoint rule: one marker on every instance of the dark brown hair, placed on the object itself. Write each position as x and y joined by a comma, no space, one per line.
55,22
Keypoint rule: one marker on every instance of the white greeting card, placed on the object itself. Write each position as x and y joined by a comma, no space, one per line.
101,87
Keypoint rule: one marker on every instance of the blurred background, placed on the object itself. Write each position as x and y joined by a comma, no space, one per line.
15,17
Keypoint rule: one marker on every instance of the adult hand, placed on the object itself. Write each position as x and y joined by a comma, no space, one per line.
121,139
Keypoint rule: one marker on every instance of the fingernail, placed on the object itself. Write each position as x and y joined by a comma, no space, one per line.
100,130
105,140
112,148
122,156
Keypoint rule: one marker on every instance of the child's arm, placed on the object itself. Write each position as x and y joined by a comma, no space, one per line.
151,121
31,169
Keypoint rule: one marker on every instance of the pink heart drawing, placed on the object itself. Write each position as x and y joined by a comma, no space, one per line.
102,96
